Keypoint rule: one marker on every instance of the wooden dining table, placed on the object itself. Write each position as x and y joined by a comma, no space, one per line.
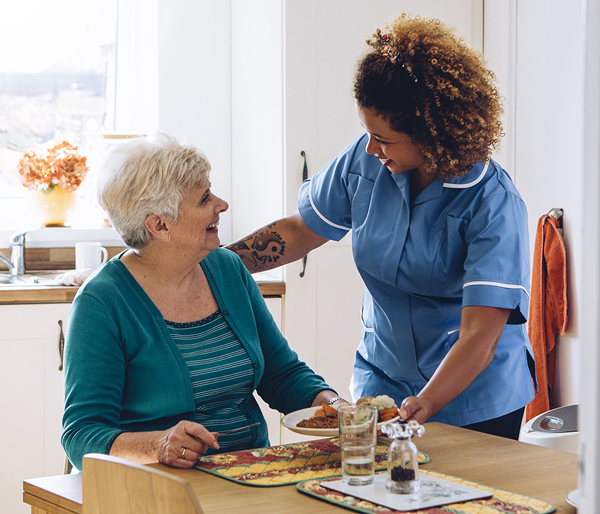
541,473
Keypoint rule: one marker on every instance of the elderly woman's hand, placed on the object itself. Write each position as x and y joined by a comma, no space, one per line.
181,445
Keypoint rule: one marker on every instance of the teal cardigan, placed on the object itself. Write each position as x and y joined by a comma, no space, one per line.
123,372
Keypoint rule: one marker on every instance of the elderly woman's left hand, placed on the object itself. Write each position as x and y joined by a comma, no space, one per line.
181,445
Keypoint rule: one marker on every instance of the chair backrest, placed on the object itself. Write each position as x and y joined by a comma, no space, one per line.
113,485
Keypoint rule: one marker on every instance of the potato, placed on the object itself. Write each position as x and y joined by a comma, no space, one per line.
364,400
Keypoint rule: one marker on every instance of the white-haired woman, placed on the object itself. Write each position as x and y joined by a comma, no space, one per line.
167,342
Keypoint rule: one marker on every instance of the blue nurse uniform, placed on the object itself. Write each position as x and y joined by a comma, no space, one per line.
460,242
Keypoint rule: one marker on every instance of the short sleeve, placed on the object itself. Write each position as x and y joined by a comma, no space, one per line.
325,200
497,267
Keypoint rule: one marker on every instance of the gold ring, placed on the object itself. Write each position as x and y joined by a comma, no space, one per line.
183,454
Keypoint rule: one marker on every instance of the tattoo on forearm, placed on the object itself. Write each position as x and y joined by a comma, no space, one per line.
268,248
238,246
260,251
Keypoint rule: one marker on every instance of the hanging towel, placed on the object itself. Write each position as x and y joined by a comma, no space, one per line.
548,307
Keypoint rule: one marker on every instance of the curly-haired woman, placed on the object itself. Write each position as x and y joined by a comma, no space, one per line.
439,233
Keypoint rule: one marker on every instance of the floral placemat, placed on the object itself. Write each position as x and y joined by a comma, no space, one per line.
285,464
501,502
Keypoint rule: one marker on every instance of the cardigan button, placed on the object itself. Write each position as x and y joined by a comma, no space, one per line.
255,365
225,313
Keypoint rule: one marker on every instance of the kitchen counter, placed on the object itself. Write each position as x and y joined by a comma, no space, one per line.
62,259
23,294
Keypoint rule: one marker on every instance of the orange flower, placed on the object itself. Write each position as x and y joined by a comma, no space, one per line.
59,165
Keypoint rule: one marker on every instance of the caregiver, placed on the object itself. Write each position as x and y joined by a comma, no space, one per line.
439,234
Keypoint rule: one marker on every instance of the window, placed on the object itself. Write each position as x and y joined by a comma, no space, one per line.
57,81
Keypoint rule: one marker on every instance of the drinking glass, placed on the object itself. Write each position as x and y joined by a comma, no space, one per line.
358,437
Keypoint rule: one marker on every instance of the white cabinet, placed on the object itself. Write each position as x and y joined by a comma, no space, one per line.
272,417
32,398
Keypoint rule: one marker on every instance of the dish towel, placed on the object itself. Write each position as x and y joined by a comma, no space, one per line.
73,277
548,308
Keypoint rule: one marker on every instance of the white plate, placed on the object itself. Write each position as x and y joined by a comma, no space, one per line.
290,421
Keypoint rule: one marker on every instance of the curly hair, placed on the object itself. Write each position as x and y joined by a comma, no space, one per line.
427,83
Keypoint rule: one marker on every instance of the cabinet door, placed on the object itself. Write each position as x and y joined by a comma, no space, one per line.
272,417
32,398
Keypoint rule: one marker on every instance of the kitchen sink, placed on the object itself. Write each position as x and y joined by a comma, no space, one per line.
31,279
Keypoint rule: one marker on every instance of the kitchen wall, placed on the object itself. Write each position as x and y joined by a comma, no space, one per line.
542,78
538,50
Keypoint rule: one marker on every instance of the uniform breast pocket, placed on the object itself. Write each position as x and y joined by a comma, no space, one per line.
449,268
361,203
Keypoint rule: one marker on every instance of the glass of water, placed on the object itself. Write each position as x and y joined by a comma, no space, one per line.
358,437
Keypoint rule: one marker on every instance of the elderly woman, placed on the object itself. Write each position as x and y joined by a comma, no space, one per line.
439,233
167,342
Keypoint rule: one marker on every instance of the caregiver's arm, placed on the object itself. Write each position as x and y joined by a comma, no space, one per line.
480,331
276,244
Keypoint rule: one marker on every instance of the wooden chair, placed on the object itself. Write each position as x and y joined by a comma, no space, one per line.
68,466
113,485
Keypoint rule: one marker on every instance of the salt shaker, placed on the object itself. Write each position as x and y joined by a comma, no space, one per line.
403,457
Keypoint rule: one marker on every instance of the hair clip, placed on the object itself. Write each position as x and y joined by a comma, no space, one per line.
387,47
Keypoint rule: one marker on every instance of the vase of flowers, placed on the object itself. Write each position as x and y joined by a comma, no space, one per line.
53,175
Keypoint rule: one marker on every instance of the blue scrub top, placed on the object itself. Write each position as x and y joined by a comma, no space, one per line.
460,242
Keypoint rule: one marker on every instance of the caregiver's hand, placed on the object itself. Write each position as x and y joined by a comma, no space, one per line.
419,409
181,445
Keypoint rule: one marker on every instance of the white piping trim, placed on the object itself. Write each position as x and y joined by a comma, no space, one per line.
470,184
312,204
452,331
496,284
366,329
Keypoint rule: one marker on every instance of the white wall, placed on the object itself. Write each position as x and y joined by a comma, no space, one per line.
257,114
549,150
541,76
553,143
194,84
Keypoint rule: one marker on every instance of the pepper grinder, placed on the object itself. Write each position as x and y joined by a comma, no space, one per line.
403,457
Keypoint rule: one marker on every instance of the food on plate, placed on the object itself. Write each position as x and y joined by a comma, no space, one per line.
325,417
386,406
365,400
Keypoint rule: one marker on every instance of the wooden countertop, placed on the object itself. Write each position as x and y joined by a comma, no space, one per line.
17,294
541,473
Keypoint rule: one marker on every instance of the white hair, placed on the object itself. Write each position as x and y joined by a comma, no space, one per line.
147,175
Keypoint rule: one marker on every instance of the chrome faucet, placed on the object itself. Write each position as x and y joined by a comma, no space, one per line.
16,262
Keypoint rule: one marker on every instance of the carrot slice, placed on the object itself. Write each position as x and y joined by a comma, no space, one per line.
387,414
330,412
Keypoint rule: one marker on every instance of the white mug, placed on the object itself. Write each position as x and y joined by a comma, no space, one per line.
89,255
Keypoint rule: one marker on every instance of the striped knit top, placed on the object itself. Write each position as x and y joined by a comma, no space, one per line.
222,376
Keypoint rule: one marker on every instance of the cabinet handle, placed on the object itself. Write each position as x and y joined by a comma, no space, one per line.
61,345
305,167
304,177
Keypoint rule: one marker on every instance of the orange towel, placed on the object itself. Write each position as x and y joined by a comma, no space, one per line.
548,308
